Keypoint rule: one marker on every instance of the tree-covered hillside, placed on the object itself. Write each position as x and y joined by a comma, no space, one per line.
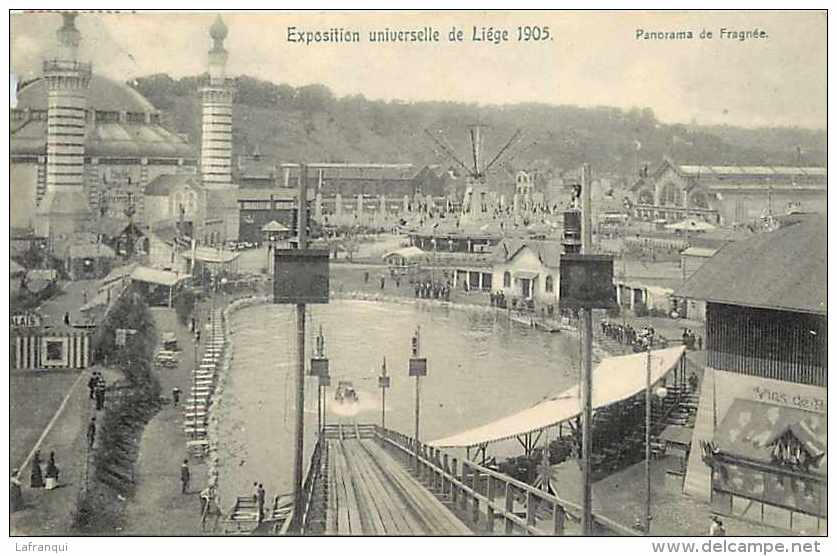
310,123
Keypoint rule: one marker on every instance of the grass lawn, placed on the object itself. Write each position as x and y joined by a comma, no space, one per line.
34,398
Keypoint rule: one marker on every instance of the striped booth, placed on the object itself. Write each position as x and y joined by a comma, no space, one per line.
60,347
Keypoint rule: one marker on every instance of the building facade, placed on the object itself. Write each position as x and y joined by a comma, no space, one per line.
728,195
759,445
528,271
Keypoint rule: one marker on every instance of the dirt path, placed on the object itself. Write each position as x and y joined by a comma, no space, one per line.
158,507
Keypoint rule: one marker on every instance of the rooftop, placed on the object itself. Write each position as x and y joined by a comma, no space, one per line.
785,269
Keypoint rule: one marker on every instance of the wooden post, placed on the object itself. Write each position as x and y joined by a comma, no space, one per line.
302,223
586,367
453,487
489,510
648,441
509,509
475,510
558,518
530,508
445,481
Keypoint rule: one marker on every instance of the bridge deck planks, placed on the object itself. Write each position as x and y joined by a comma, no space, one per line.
396,520
371,493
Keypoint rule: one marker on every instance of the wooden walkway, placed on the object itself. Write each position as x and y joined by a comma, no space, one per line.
370,493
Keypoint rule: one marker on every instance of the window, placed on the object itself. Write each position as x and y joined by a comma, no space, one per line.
548,284
54,351
671,196
507,279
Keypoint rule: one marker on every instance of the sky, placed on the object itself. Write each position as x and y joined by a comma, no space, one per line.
590,59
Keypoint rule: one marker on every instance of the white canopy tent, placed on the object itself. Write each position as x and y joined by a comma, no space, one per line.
614,379
691,225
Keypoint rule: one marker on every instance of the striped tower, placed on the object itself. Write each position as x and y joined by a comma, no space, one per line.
217,95
64,209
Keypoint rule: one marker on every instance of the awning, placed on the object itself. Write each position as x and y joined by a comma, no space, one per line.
677,434
211,255
409,254
525,275
750,430
157,276
614,379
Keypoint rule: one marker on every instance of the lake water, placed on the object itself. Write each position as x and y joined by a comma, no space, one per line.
480,367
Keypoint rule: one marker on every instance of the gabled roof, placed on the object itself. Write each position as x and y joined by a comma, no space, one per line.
90,251
162,185
549,252
784,269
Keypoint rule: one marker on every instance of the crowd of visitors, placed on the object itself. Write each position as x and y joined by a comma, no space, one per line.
637,338
432,290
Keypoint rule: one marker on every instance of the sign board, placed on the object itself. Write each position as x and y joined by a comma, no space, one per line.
418,366
300,276
586,282
25,320
319,366
383,382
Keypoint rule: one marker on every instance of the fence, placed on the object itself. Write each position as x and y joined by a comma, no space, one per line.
485,495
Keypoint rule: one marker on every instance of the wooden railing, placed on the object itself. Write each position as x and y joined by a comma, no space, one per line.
485,495
292,526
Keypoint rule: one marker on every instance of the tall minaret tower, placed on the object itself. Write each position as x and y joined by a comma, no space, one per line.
217,95
64,209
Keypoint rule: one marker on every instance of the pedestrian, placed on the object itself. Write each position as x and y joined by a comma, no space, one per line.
91,384
366,277
36,478
84,297
255,492
15,492
717,527
100,394
91,432
206,497
185,477
700,343
175,395
51,474
67,318
260,500
383,282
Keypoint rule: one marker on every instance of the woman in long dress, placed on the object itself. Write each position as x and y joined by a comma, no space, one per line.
51,473
36,479
15,493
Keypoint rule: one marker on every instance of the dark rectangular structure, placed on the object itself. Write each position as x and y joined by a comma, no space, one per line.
418,366
300,276
770,343
586,282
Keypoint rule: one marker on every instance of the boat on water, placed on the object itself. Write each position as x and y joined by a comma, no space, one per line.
345,392
547,325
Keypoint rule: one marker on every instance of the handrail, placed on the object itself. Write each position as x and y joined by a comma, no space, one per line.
308,484
457,486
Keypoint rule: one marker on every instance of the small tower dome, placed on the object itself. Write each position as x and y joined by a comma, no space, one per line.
219,30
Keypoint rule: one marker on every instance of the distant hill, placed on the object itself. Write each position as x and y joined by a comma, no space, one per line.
310,123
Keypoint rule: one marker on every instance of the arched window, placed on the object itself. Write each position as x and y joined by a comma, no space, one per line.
548,284
671,196
507,279
699,200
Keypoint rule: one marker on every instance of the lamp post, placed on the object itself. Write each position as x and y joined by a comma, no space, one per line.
195,381
383,384
319,368
660,393
418,369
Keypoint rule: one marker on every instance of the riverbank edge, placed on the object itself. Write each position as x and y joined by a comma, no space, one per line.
228,354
